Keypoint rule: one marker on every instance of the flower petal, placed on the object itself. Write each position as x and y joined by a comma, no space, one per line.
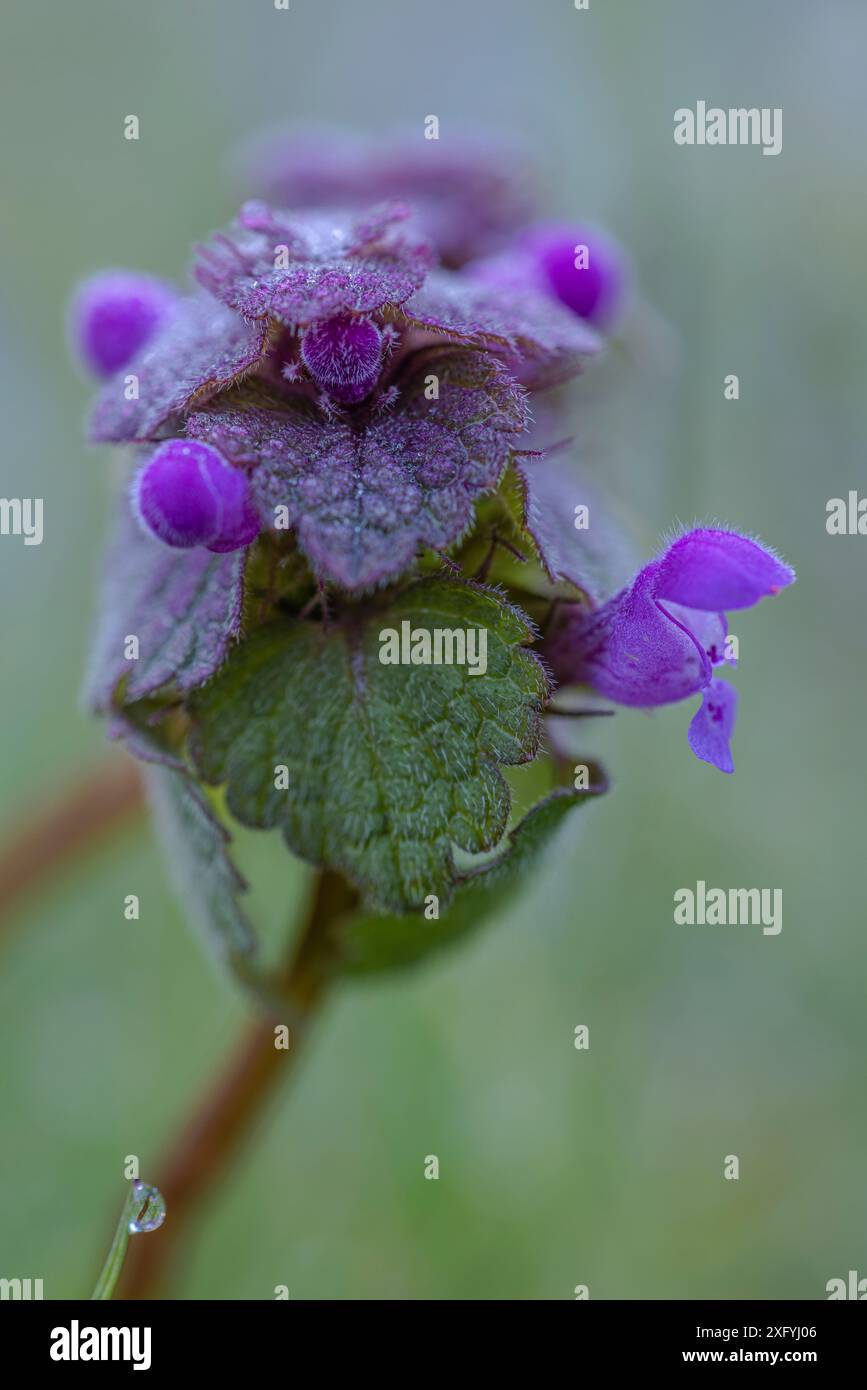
713,724
709,629
717,570
631,650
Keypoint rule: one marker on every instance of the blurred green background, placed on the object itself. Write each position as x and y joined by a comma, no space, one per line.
557,1167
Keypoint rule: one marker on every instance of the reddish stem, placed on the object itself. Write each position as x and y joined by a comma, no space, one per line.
237,1100
98,804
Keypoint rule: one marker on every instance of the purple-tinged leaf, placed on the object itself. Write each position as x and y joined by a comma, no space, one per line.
541,341
468,192
595,556
300,267
202,349
364,496
141,738
183,607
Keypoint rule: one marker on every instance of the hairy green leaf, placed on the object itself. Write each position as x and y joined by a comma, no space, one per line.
196,845
367,944
376,770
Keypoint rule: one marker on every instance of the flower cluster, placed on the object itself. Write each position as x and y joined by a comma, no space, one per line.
345,394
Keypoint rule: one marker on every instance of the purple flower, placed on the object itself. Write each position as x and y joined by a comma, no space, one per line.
580,266
659,639
187,494
585,269
114,315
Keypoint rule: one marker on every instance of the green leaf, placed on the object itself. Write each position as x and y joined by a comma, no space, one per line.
389,766
196,845
369,944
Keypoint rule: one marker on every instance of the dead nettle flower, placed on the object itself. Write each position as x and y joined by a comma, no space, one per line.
469,194
330,439
368,399
659,639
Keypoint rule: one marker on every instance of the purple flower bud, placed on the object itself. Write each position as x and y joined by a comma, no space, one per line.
585,269
240,527
659,639
582,268
187,494
343,355
114,315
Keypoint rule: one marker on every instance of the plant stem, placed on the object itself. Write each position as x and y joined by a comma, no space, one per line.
218,1129
99,803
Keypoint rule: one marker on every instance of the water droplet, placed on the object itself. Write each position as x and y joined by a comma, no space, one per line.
149,1208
